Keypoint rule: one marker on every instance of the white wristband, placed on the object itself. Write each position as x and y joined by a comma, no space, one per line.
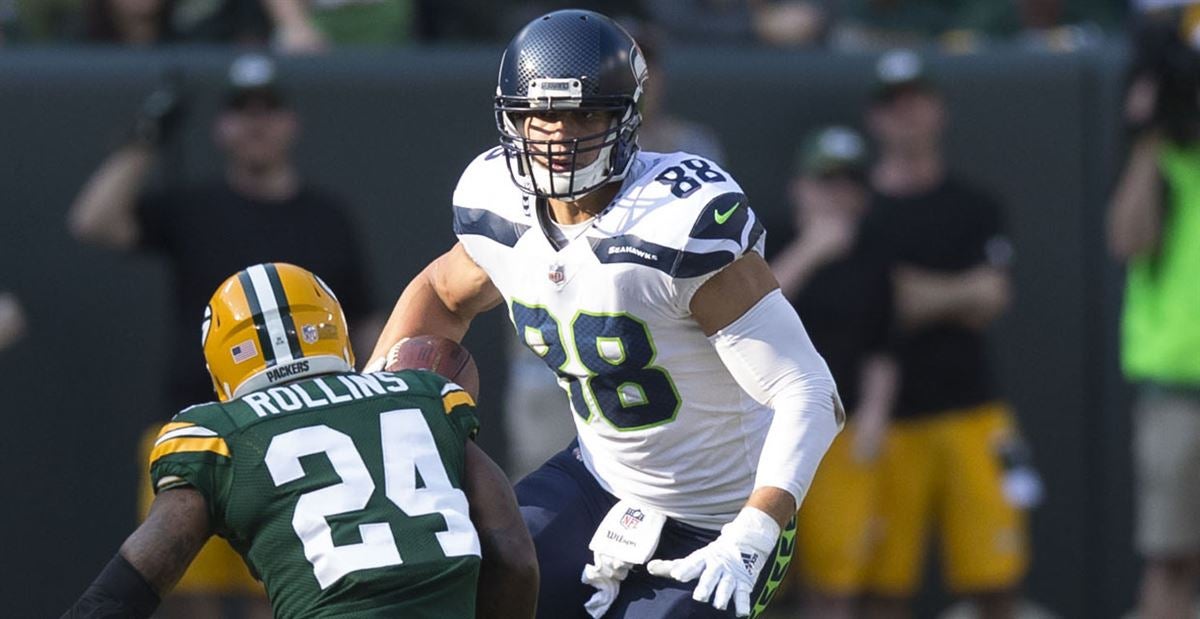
754,528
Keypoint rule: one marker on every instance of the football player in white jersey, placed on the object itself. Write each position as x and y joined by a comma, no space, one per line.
701,407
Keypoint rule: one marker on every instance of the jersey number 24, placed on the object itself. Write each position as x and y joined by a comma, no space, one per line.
408,447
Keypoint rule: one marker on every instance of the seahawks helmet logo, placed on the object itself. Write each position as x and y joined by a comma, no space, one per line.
637,62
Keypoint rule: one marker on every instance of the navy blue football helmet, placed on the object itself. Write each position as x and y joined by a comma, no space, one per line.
572,61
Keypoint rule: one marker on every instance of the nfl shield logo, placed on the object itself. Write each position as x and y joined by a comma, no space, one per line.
557,274
632,518
309,333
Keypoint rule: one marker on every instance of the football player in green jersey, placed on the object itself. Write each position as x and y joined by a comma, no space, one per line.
347,494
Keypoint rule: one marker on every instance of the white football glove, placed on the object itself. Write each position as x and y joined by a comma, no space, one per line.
730,565
605,574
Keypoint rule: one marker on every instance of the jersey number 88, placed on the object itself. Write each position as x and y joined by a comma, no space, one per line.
622,384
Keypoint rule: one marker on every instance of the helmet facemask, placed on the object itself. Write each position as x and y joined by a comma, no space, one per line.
528,158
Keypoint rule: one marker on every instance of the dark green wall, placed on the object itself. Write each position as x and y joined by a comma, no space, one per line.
391,132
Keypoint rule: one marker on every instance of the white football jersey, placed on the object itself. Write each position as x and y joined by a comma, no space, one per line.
606,306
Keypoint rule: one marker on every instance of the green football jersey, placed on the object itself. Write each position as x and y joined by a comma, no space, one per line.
342,492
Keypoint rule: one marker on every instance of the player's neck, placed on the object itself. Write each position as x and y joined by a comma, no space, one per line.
585,208
907,171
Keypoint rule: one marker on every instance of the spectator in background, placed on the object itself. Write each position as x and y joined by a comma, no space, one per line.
951,434
740,22
1154,228
964,25
261,210
791,23
666,132
512,15
1056,25
303,26
459,20
12,320
841,287
881,24
240,22
37,20
138,23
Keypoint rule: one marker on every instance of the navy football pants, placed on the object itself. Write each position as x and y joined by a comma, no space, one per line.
562,505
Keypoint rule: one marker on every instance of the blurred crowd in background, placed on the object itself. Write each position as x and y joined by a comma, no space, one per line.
307,26
832,246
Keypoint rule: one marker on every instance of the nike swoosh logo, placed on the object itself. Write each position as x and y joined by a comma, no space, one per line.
724,217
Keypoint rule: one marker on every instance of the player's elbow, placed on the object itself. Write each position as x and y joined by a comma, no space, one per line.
513,553
525,573
509,577
824,389
815,380
810,393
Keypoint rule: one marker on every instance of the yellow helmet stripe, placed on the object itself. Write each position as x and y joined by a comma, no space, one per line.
216,445
256,313
456,398
274,310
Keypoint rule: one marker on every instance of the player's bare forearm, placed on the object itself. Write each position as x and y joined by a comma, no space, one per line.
776,502
442,300
508,575
730,293
165,544
419,311
150,562
507,587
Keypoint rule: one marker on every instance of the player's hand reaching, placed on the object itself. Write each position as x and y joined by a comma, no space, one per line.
605,574
730,565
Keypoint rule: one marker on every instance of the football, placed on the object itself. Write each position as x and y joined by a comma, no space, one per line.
436,354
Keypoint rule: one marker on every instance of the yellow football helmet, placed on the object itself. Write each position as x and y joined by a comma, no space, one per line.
272,323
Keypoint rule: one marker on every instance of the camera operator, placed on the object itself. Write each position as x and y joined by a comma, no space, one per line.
1154,228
